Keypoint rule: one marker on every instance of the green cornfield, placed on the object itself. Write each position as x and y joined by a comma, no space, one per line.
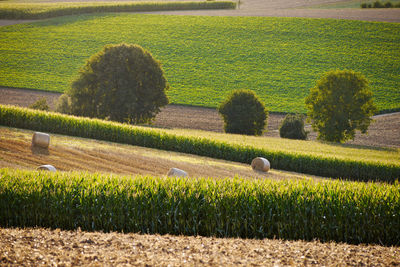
326,166
340,211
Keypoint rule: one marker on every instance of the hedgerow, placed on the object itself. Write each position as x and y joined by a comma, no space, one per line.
123,133
49,10
338,211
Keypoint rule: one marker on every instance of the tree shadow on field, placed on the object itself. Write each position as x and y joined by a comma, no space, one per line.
376,148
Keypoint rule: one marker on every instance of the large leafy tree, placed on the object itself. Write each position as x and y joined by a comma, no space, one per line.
340,104
122,83
244,113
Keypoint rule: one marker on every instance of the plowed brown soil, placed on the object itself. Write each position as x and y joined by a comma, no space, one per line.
38,247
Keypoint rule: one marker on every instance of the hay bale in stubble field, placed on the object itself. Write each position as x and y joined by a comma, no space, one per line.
47,168
41,140
175,172
260,164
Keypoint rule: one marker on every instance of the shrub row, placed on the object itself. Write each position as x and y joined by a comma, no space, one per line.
349,212
42,11
379,4
122,133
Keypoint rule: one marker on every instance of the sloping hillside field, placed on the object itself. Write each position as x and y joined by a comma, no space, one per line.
323,160
206,57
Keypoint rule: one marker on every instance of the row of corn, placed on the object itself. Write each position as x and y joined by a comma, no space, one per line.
122,133
340,211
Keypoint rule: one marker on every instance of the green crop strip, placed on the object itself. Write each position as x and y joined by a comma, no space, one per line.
204,58
280,159
48,10
329,211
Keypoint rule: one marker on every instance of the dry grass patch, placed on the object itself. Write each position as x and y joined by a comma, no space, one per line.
72,153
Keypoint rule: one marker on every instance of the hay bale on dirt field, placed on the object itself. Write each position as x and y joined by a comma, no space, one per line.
47,168
175,172
260,164
41,140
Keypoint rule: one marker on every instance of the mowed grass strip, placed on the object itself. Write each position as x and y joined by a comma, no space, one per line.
333,210
205,58
48,10
385,167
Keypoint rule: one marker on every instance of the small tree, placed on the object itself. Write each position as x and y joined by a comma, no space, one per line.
64,104
243,113
40,104
292,127
340,104
122,83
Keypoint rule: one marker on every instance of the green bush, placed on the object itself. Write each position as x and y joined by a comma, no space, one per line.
378,4
292,127
243,113
290,209
122,83
388,5
340,104
40,104
122,133
64,104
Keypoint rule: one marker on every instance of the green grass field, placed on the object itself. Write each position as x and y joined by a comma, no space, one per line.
206,57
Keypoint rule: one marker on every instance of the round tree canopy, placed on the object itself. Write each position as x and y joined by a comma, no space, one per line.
243,113
122,83
339,104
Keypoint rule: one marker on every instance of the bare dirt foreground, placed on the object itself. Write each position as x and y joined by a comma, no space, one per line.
35,247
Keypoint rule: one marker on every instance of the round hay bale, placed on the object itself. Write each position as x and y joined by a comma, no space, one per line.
41,140
47,168
260,164
177,172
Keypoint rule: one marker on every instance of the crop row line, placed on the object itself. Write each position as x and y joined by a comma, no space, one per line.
340,211
127,134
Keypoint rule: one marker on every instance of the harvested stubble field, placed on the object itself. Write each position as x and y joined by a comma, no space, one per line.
73,154
27,247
